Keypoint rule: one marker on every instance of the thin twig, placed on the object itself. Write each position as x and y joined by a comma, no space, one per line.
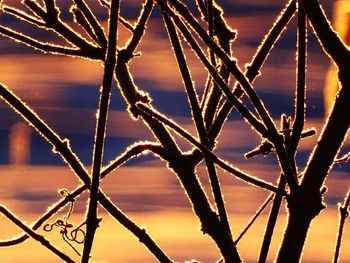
277,201
255,217
53,22
105,3
187,80
231,64
221,33
271,222
126,24
129,89
81,20
343,215
344,158
54,208
34,235
140,27
210,19
134,151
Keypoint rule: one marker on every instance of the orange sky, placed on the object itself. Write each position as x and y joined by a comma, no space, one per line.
148,192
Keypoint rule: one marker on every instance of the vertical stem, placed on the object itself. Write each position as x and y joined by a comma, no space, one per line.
209,16
211,29
271,223
91,219
299,118
294,238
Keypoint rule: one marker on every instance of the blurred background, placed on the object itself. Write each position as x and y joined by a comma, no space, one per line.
64,92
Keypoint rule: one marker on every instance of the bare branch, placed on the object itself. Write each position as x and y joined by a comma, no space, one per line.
23,16
53,22
344,158
62,147
227,167
82,21
100,132
217,78
131,152
93,53
197,116
134,151
140,27
229,62
330,40
253,70
93,22
34,235
299,118
343,215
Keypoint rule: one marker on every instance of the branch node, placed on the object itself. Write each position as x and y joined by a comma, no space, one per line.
344,212
264,148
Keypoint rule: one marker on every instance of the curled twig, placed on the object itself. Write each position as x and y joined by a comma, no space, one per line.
76,234
34,235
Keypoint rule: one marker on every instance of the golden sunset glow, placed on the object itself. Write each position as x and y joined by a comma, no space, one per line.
64,91
341,12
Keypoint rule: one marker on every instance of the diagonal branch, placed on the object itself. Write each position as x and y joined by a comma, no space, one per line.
62,147
197,116
330,40
34,235
229,62
23,16
255,217
92,53
95,25
131,152
129,89
217,78
253,70
225,166
81,20
53,22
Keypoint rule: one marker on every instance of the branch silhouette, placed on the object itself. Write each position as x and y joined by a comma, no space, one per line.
210,38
